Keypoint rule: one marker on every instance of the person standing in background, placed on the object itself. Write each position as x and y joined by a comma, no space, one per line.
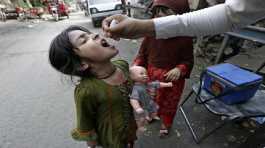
167,60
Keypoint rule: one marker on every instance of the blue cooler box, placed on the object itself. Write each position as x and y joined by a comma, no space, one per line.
221,78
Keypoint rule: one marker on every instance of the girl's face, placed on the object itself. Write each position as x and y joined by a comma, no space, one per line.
91,46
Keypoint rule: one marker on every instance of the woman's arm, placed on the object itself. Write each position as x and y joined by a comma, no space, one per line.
209,21
213,20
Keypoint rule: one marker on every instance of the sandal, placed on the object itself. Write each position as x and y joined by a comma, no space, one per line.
163,133
148,119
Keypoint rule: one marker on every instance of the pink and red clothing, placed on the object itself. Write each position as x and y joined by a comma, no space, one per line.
160,56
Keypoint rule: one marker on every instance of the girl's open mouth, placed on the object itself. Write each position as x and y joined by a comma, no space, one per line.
104,43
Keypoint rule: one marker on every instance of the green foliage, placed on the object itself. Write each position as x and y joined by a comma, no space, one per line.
24,3
37,3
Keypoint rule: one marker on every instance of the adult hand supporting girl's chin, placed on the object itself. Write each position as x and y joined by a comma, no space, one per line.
127,27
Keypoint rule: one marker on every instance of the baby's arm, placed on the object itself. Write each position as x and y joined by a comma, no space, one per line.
136,106
157,84
135,101
166,84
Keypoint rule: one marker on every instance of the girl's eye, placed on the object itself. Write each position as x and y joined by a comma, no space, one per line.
95,37
85,39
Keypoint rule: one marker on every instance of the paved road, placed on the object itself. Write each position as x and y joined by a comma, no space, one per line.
36,102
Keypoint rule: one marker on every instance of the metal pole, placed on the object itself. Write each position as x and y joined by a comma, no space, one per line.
222,48
260,67
195,137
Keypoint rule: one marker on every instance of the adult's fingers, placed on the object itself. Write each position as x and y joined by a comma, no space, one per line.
106,22
169,76
172,76
176,76
166,74
115,30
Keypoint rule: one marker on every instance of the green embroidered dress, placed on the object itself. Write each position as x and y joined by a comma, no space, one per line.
103,111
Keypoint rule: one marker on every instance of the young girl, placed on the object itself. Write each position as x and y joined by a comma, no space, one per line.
104,114
167,60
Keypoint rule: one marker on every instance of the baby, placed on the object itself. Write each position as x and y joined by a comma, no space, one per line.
143,94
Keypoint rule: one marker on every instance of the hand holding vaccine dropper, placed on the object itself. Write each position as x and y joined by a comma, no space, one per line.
113,24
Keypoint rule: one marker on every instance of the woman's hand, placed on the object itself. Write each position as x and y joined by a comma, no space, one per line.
127,27
173,74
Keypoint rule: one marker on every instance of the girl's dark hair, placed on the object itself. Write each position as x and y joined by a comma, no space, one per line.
62,56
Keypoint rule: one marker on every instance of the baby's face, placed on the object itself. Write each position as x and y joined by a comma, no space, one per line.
138,74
